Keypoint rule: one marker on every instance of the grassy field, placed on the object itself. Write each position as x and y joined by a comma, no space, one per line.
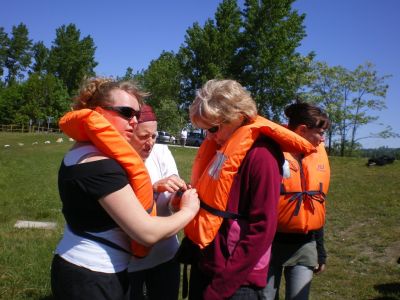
362,231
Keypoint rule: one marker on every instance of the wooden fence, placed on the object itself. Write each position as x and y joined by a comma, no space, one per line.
29,129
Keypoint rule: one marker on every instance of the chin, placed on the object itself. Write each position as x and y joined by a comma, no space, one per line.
127,135
145,155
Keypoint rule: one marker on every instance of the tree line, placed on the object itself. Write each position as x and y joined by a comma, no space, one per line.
255,44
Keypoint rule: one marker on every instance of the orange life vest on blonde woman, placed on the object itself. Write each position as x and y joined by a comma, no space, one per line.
89,125
301,206
214,171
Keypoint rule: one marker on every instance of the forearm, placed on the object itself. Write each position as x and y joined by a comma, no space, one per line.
159,228
129,214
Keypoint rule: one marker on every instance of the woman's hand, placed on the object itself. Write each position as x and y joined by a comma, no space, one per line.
190,201
170,184
319,269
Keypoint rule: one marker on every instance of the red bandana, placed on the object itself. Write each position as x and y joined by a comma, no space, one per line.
146,114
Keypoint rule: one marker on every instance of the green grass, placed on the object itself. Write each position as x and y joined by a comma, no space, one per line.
362,230
184,159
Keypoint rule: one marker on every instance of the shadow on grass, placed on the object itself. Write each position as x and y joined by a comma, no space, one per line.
49,297
389,291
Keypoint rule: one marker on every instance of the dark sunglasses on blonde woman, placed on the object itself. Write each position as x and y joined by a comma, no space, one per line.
124,111
213,129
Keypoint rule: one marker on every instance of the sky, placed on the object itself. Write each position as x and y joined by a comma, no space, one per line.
132,33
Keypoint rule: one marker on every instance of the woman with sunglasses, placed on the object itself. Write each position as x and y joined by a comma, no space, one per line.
101,209
237,174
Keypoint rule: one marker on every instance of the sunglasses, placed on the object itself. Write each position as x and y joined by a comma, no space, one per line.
213,129
124,111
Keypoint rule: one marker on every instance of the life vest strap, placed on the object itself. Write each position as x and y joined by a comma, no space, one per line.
299,197
220,213
98,239
150,209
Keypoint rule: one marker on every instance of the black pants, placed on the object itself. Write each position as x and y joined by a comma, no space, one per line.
162,282
69,281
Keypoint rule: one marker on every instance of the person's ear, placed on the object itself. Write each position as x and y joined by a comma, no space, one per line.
301,130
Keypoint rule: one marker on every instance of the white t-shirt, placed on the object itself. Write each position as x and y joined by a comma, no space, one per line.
184,134
160,164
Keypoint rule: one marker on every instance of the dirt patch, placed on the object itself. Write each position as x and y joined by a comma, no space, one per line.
393,252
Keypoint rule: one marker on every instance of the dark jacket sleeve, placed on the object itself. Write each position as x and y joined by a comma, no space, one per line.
319,238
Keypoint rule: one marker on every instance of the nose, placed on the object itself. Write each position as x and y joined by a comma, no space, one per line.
150,141
133,121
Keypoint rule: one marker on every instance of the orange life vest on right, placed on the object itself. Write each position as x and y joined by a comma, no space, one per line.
301,206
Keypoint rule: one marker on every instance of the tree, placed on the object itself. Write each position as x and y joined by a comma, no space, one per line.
40,56
18,54
71,58
128,74
42,96
209,51
162,79
369,92
326,89
272,69
4,42
256,46
10,101
349,97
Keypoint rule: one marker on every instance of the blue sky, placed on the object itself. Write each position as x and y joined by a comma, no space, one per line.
132,33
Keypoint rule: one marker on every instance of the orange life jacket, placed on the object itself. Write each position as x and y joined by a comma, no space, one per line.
89,125
214,170
301,206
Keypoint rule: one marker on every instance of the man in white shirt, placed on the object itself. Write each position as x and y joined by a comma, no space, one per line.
184,134
157,276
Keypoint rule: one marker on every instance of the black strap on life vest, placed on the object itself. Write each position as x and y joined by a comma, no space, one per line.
298,196
149,210
98,239
221,213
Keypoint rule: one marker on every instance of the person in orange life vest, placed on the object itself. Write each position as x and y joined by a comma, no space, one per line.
101,210
235,263
158,271
298,248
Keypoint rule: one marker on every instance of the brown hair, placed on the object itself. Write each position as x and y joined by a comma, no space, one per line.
96,92
302,113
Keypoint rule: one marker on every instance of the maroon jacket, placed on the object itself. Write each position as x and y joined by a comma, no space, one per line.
233,262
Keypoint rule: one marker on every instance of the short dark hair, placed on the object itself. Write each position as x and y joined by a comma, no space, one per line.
303,113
